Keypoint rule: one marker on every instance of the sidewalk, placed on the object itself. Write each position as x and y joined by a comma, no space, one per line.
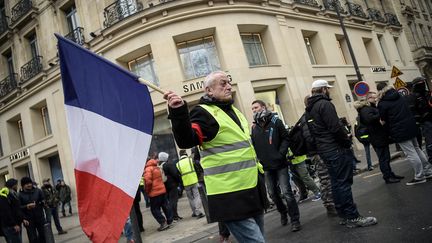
187,230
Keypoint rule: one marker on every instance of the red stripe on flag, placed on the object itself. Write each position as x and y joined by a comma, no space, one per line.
103,208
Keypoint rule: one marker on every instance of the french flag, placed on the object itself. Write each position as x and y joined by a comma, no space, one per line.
110,121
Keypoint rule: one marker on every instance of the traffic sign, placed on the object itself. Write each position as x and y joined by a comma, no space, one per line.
399,83
395,72
403,91
361,88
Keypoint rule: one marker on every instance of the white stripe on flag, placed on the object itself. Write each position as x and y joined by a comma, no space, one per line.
119,148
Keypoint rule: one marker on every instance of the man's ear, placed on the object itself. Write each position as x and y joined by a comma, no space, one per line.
208,91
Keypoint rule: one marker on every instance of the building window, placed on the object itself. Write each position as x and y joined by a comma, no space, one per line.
399,49
199,57
1,148
144,67
33,46
9,63
21,133
72,18
254,49
46,120
425,37
371,51
413,33
343,49
383,48
310,51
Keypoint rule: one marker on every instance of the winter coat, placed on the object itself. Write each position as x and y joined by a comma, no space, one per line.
172,174
36,214
154,185
369,116
200,126
51,196
64,193
394,111
327,130
10,211
309,139
271,142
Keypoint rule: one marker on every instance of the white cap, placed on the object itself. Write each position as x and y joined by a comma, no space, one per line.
321,83
163,156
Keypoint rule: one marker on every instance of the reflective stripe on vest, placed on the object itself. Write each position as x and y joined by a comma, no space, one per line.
364,136
142,181
187,171
229,159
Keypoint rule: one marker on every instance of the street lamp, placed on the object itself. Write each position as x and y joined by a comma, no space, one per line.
351,52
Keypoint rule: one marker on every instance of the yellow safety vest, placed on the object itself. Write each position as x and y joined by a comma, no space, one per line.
187,171
142,181
4,192
229,160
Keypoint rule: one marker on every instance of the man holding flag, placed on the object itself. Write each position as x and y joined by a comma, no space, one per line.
231,171
110,122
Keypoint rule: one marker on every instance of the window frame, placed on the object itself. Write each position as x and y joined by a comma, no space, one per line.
21,132
46,120
151,64
262,60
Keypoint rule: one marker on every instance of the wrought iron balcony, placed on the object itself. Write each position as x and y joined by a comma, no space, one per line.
392,19
375,15
119,10
76,36
20,9
356,10
8,85
31,69
332,4
312,3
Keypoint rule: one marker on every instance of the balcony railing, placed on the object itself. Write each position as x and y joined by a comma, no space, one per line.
20,9
375,15
119,10
332,4
76,36
392,19
312,3
8,85
356,10
31,69
3,24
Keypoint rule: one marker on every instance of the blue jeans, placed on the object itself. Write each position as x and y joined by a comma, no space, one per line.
339,164
54,213
281,177
248,230
368,155
11,235
127,230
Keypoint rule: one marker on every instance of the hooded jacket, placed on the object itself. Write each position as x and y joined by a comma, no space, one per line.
325,126
34,215
421,102
369,116
154,185
270,140
10,211
394,111
200,126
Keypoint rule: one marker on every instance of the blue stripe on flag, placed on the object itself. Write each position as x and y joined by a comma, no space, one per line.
95,84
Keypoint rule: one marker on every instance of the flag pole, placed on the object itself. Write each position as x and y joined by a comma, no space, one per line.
151,85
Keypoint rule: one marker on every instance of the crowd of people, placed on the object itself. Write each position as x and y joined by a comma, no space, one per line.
32,207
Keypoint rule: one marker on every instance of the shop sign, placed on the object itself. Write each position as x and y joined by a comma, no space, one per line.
378,69
19,155
198,85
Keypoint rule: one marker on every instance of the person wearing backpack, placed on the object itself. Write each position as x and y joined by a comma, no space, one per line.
270,140
155,189
362,134
378,136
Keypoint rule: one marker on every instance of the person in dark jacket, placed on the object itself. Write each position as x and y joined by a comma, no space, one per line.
172,182
32,203
423,111
200,127
270,140
378,136
333,146
64,196
11,215
52,200
400,123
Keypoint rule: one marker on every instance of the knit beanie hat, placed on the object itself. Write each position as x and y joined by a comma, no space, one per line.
163,156
26,180
11,182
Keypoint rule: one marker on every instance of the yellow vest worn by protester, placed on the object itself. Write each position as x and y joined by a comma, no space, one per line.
4,192
229,160
187,171
297,159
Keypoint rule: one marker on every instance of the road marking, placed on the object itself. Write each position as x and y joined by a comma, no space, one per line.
379,173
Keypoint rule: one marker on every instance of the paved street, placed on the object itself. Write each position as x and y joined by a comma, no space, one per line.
403,212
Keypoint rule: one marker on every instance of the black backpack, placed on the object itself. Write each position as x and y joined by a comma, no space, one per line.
360,131
298,143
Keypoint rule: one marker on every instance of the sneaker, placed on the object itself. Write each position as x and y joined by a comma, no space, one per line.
428,176
200,215
194,215
398,177
317,197
370,168
163,227
284,219
391,180
295,226
223,239
302,198
62,232
343,222
361,221
415,182
331,211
